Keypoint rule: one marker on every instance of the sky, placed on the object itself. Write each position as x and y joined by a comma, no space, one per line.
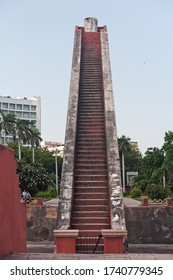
36,46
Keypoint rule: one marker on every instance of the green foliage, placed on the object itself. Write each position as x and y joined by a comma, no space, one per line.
34,177
135,193
125,194
157,192
133,159
37,176
150,169
50,193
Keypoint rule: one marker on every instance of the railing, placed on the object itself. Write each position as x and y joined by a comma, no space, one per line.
90,244
159,202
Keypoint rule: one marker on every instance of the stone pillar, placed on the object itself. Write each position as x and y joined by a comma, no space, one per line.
90,24
113,241
66,241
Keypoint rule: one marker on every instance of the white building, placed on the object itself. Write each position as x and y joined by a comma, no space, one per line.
56,147
23,108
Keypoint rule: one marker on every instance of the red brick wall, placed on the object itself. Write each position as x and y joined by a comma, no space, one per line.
12,211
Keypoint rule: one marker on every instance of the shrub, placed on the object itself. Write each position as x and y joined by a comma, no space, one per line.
50,193
125,194
135,193
157,192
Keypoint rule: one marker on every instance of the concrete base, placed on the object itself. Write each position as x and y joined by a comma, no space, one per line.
66,241
114,241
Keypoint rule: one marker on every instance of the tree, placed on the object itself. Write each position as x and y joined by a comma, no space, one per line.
7,125
150,168
22,133
29,178
133,159
35,139
124,147
34,177
168,156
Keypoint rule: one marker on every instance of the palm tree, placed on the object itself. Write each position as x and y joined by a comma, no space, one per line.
35,139
7,125
22,133
124,147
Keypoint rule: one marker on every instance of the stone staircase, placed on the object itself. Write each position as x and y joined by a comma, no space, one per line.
91,211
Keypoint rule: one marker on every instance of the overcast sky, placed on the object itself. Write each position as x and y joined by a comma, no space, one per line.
36,44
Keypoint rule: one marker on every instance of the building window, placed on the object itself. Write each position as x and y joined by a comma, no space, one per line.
19,106
26,107
5,112
12,106
5,105
12,112
19,114
26,115
33,115
33,107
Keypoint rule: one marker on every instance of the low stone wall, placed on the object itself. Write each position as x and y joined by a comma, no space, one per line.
149,225
41,222
145,225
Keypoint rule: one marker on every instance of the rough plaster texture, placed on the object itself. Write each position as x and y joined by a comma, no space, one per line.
65,202
117,209
149,224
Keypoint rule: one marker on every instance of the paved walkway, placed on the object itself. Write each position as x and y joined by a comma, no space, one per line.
45,251
128,202
51,256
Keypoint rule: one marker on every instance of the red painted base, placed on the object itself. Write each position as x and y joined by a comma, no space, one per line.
114,241
66,245
113,245
66,241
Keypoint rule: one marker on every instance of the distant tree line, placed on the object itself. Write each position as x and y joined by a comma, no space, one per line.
35,166
155,167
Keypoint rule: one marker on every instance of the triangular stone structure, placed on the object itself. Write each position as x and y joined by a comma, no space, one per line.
91,203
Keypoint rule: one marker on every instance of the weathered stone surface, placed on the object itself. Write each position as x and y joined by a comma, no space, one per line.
70,136
149,224
142,225
117,209
90,24
41,222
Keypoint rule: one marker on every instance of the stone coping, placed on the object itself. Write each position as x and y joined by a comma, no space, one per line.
113,233
66,233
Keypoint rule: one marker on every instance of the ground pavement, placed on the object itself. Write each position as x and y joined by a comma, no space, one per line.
45,251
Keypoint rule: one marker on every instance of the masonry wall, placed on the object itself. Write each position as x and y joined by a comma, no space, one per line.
12,211
41,222
149,225
144,224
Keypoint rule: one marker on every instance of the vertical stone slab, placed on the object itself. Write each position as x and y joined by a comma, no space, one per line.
66,189
90,24
115,189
